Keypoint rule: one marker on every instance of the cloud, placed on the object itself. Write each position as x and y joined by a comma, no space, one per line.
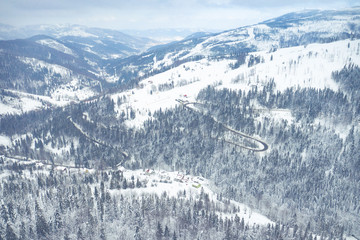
145,14
260,4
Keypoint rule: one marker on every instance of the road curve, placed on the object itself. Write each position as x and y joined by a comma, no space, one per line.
125,154
264,145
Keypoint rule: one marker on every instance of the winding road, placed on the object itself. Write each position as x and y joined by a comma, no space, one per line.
77,126
264,145
30,161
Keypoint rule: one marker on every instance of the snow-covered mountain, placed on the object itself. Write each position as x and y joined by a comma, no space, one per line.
201,106
168,35
64,62
295,29
295,50
45,66
294,67
105,43
75,62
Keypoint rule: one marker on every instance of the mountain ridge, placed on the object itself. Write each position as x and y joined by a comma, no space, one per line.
292,86
246,39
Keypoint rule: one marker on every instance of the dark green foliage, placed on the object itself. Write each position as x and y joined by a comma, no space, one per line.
10,235
78,214
310,174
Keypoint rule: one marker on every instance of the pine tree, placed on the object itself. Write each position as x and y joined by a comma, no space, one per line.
166,232
66,236
42,228
80,235
22,231
4,213
159,231
58,221
102,233
137,233
138,183
10,235
124,185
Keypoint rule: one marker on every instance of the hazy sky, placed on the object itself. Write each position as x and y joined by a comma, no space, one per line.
153,14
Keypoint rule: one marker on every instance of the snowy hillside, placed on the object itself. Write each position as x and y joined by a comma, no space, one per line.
173,184
67,63
127,185
250,133
304,66
16,102
103,42
56,45
305,28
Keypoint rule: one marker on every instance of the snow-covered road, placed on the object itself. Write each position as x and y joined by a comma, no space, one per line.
264,145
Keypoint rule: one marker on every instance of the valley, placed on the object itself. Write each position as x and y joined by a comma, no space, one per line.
249,133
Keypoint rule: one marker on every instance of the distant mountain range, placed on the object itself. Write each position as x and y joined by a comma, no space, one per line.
168,35
293,29
266,115
52,59
104,42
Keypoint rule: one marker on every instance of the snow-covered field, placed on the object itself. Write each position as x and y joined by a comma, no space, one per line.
5,141
174,184
25,102
21,102
56,45
38,65
72,91
303,66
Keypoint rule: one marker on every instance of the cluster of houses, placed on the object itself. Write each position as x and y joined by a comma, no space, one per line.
180,177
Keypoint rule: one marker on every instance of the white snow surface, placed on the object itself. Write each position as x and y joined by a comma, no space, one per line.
303,66
174,184
38,65
247,36
25,102
72,91
56,45
76,32
8,109
5,141
11,105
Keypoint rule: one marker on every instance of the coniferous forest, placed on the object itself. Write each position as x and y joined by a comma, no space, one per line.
307,183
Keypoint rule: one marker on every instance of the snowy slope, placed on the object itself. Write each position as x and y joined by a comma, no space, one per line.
11,105
75,86
44,66
17,102
301,29
307,27
38,65
295,29
173,184
56,45
102,42
303,66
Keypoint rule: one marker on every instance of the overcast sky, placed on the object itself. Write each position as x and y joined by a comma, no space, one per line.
154,14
